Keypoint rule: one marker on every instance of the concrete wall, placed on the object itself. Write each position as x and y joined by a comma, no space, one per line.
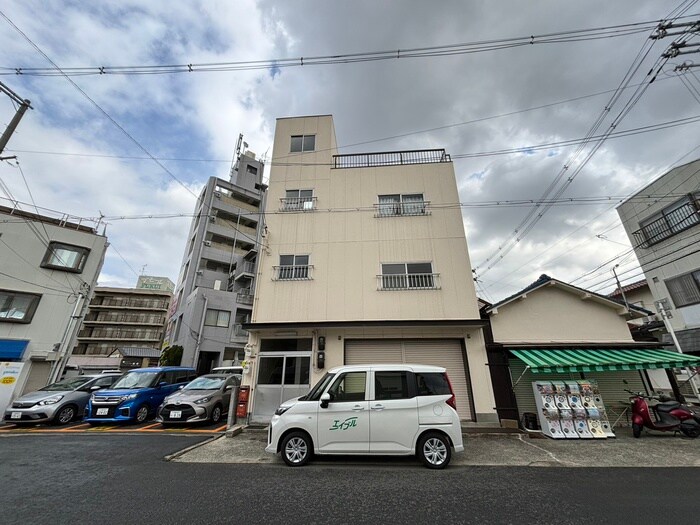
551,314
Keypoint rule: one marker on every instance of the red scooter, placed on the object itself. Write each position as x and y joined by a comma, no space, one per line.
668,415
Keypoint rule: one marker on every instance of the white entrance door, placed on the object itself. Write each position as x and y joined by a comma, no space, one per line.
281,376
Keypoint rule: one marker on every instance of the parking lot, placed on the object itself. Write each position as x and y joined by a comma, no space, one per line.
79,426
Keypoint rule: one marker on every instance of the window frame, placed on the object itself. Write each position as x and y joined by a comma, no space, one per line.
694,278
51,252
398,205
298,202
341,378
218,314
411,390
294,271
29,313
408,280
303,143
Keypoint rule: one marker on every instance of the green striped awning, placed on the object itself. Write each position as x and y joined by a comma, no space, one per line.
549,361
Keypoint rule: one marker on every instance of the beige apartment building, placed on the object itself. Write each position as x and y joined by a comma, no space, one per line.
364,260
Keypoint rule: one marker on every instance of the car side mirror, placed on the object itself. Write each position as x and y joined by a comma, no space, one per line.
181,387
228,388
162,384
325,399
94,387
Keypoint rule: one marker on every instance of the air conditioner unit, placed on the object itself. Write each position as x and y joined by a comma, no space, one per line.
207,243
217,194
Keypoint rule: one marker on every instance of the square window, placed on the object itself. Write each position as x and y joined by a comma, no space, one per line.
309,143
17,307
66,257
293,267
301,143
297,142
218,318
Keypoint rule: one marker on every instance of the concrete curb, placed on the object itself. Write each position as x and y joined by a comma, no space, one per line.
235,430
185,450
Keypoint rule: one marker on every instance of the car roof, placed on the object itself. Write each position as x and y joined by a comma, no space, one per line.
163,369
389,367
93,376
217,376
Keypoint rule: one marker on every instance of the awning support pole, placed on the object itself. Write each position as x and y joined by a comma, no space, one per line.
521,375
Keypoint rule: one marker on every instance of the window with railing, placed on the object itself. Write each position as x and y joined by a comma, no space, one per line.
293,268
401,204
679,216
408,276
298,200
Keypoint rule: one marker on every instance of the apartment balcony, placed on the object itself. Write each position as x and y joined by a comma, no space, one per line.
244,298
239,332
125,320
128,305
220,253
411,281
227,200
293,204
669,224
119,337
230,206
390,158
244,270
302,272
230,230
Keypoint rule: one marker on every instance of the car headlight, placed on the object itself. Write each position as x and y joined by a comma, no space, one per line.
281,410
92,398
127,398
50,401
203,400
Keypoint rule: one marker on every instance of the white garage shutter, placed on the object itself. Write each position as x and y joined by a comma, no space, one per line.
446,353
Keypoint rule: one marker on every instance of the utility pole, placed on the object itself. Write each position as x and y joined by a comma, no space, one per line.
24,105
619,287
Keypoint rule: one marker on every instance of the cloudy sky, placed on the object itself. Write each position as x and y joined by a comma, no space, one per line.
74,157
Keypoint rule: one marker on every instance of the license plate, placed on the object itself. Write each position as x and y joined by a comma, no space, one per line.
102,411
16,415
176,414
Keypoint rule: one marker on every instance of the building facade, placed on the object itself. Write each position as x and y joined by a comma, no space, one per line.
48,270
214,294
665,234
123,317
363,261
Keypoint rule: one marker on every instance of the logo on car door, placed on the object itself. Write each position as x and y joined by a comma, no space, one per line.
348,423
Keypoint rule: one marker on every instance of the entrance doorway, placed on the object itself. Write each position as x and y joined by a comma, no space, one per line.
281,376
207,361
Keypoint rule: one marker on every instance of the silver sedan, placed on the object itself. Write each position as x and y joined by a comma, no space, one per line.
206,398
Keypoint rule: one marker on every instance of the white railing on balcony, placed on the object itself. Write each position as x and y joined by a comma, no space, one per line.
297,203
411,281
396,209
293,273
244,298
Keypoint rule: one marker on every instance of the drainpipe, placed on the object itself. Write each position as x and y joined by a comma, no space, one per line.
199,335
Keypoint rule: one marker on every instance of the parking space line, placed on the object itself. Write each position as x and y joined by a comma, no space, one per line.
78,428
149,426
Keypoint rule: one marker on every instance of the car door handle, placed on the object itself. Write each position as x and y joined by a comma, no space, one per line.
378,407
357,408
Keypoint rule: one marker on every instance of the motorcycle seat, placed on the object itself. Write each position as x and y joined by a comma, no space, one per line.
667,406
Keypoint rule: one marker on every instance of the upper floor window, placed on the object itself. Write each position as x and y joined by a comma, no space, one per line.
397,204
298,200
66,257
685,290
303,143
293,268
407,276
673,219
218,318
17,307
251,169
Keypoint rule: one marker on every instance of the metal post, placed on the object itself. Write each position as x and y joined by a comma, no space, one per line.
619,287
58,365
666,315
24,105
199,335
232,407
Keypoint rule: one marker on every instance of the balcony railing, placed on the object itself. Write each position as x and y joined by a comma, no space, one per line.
297,203
244,298
668,225
411,281
131,303
238,331
126,318
293,273
390,158
398,209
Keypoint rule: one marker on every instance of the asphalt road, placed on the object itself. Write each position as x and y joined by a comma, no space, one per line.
124,479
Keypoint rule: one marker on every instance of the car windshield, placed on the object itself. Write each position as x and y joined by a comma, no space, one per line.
206,383
135,380
315,393
67,384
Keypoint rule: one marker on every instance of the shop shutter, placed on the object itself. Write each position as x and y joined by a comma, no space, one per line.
523,390
612,390
446,353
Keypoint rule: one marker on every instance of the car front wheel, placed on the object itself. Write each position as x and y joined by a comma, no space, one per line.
297,449
65,415
434,450
216,414
142,414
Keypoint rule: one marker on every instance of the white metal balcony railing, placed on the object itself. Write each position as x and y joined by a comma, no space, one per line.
397,209
411,281
293,273
297,203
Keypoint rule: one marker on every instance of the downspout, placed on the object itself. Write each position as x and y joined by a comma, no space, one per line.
199,334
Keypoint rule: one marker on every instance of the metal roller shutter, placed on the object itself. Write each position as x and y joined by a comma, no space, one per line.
523,390
446,353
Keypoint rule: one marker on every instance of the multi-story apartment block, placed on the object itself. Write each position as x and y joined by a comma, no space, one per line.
214,294
123,317
48,269
662,222
364,260
665,233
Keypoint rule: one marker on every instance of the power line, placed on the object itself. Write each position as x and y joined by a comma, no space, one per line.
577,35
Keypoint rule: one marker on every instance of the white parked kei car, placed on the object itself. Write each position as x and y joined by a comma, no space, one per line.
371,409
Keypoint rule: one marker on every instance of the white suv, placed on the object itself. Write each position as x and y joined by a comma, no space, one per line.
371,409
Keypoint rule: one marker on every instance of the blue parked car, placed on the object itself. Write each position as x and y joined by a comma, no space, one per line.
137,394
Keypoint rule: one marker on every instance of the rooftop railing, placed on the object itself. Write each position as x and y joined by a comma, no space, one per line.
390,158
